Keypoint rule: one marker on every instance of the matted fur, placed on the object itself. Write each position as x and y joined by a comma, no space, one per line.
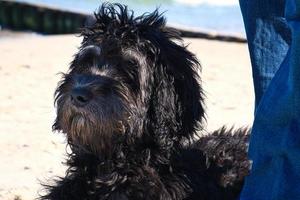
135,137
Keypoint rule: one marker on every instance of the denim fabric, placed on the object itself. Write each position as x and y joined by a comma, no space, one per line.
275,140
268,39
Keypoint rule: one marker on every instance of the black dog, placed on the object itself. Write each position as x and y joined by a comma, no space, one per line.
131,106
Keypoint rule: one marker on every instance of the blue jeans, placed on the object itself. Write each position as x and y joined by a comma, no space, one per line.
273,32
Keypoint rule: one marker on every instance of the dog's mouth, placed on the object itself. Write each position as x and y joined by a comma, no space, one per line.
89,129
79,128
86,134
78,122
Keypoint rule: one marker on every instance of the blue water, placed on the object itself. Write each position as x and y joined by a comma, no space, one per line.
220,18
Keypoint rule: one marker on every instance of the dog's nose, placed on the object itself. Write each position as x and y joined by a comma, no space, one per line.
80,96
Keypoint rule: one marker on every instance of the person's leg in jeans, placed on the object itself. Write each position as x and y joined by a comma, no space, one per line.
268,39
275,140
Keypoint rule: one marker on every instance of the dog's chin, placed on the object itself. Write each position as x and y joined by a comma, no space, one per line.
80,128
91,134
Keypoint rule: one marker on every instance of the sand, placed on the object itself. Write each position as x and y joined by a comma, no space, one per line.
29,151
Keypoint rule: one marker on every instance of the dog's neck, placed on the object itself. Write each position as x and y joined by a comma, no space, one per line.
141,152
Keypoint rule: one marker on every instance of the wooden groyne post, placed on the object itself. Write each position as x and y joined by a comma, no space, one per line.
25,16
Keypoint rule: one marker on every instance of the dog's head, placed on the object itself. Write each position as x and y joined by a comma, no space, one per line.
130,81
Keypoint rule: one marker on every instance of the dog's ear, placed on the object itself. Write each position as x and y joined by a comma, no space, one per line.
184,68
177,97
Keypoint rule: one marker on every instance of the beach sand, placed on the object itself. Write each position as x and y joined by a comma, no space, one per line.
30,153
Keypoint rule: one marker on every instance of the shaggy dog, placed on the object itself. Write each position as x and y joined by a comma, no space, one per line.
131,106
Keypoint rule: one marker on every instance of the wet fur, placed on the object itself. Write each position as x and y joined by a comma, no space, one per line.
136,139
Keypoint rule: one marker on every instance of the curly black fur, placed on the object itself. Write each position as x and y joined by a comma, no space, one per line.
132,128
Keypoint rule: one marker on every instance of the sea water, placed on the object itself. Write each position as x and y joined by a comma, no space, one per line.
221,16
